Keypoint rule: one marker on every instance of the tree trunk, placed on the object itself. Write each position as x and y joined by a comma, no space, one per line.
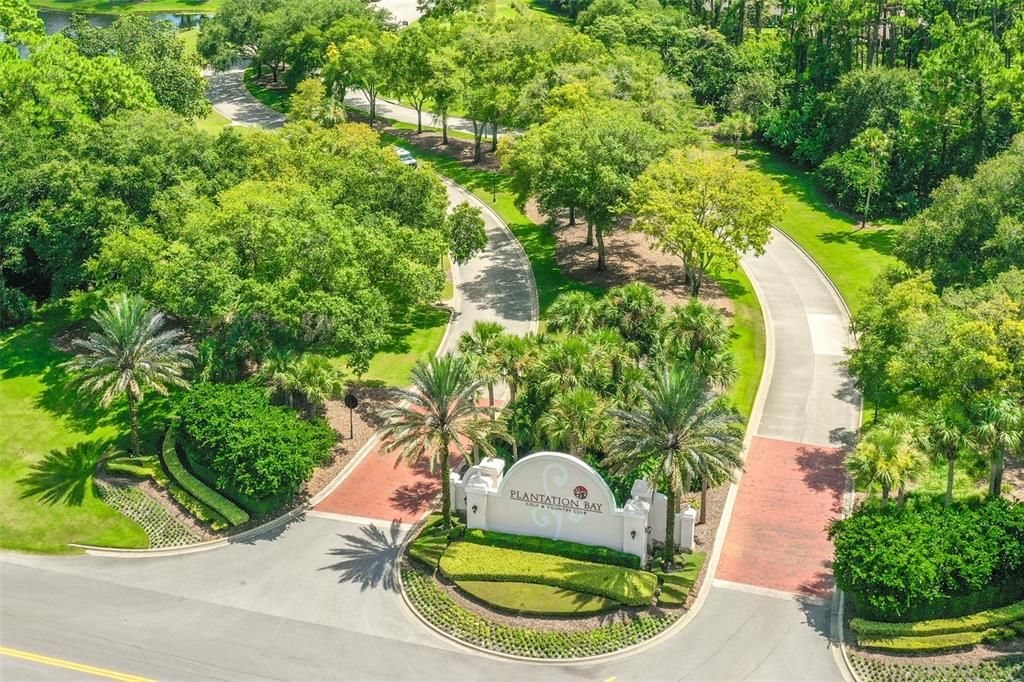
995,487
444,128
133,411
446,492
494,136
490,397
602,265
885,496
373,106
901,497
590,233
867,207
513,390
419,119
949,481
572,216
703,499
670,526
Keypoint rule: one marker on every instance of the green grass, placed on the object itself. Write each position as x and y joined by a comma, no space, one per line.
675,586
127,7
212,123
976,622
431,542
851,258
537,9
416,338
932,482
41,415
536,600
562,548
278,99
449,288
957,640
748,337
468,561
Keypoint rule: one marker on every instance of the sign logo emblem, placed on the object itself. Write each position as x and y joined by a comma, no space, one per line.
580,492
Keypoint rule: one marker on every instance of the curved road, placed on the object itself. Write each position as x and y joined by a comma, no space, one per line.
315,599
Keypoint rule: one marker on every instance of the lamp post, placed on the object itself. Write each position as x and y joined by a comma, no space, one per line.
351,402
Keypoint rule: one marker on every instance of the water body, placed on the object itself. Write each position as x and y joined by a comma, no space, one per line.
56,21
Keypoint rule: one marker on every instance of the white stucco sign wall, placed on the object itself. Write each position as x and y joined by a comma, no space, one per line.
552,495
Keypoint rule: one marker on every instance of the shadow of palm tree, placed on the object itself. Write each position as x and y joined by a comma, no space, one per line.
415,497
369,559
63,477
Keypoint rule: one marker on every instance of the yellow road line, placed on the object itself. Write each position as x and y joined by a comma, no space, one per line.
71,665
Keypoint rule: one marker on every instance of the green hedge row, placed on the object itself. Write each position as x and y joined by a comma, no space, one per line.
956,640
976,622
469,561
441,611
206,495
569,550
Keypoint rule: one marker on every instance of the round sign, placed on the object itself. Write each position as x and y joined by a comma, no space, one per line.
351,402
580,492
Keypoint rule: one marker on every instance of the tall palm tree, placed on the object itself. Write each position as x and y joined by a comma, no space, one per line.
566,364
578,420
439,411
514,357
876,145
637,312
480,345
574,312
888,455
946,435
697,334
1000,433
133,352
685,429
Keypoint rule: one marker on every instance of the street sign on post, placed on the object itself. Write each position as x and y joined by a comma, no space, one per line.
351,402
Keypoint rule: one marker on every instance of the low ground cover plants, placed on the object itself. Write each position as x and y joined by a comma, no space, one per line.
872,669
468,561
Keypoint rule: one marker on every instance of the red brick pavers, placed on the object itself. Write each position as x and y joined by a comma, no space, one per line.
380,488
777,538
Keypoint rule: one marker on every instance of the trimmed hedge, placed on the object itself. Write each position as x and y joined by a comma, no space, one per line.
976,622
569,550
925,562
207,496
469,561
443,613
956,640
532,599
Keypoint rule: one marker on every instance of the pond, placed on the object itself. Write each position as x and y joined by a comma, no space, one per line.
56,21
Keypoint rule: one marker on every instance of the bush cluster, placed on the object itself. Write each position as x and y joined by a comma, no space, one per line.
442,612
468,561
976,622
1007,669
250,446
196,488
931,643
928,562
569,550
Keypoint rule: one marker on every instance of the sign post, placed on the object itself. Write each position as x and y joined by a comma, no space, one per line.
351,402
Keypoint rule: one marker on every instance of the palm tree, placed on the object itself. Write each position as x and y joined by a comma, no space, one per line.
278,371
698,335
131,353
888,456
685,429
439,412
317,380
480,345
946,435
565,364
637,312
514,357
574,312
876,145
1000,433
578,420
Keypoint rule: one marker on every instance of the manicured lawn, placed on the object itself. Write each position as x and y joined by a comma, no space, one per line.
40,416
533,599
748,338
851,258
278,99
125,7
415,339
675,586
213,123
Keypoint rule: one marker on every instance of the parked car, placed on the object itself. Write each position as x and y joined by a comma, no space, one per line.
405,157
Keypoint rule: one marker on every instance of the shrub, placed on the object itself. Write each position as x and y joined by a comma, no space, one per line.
569,550
957,640
469,561
255,448
441,611
875,669
430,544
210,498
927,562
976,622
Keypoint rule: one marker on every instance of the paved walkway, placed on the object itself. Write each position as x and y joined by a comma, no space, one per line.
231,99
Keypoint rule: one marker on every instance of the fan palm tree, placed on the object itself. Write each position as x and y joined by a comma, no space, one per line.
578,420
514,357
888,456
946,435
480,345
278,371
1000,433
637,312
566,364
697,334
574,312
685,429
439,411
317,380
132,353
876,146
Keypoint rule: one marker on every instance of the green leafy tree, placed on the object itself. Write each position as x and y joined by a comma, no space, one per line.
888,456
466,232
445,89
132,352
697,334
574,312
311,103
19,24
413,69
437,414
685,429
737,127
367,61
706,212
235,33
876,146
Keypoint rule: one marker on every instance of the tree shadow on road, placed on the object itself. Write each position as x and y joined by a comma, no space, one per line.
369,559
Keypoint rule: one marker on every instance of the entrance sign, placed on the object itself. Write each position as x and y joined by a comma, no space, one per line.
556,496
